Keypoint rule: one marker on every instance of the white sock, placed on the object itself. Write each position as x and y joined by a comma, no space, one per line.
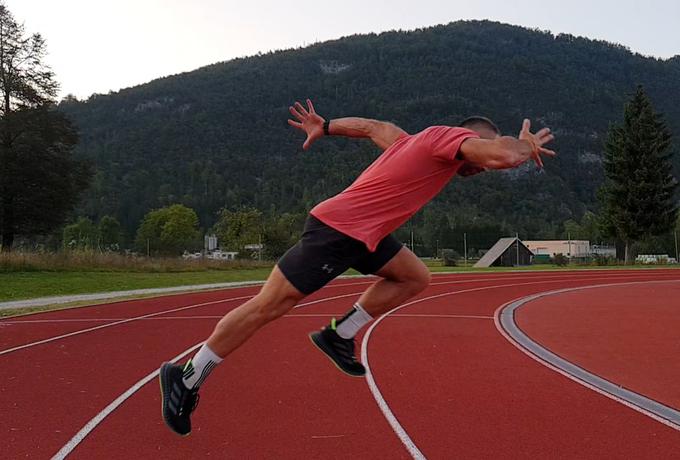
350,324
200,366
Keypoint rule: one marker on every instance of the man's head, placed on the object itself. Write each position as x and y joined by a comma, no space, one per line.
486,128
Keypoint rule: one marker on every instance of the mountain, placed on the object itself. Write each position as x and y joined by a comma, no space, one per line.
217,136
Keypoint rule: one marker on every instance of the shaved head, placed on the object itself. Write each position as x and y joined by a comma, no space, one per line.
481,125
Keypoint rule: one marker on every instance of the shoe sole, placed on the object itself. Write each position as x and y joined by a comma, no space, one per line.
312,336
162,381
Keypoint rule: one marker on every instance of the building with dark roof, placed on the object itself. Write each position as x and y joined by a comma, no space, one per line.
507,252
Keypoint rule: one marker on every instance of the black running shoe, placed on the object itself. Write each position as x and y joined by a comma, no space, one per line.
178,401
339,350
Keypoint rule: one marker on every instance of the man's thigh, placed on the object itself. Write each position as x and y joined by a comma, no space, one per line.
372,263
321,255
277,288
404,266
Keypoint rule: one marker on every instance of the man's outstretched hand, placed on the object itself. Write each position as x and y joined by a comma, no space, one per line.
537,141
307,121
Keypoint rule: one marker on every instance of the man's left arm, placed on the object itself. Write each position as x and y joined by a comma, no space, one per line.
508,152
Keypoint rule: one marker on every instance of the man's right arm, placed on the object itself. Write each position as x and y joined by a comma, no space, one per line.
383,134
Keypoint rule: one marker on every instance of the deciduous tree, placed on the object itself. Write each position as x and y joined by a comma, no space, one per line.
40,179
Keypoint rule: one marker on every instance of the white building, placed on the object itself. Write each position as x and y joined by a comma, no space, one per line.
222,255
603,251
210,242
569,248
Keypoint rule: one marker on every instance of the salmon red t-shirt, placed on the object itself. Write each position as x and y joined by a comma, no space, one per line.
396,185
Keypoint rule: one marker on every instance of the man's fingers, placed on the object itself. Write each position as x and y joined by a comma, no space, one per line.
545,139
543,132
526,125
301,109
547,152
538,160
295,124
310,106
307,143
293,111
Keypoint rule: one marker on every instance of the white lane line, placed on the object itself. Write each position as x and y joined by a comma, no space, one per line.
504,320
416,315
162,292
127,320
117,321
97,419
301,315
399,430
14,321
182,290
373,387
150,315
59,321
89,426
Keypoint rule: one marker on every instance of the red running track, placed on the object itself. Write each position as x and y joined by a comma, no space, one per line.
456,386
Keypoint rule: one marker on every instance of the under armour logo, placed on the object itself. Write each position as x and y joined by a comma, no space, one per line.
327,269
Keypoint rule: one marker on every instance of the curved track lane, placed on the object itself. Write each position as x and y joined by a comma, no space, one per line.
454,384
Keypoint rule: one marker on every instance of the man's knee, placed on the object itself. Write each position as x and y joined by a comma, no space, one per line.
415,280
277,297
420,280
269,307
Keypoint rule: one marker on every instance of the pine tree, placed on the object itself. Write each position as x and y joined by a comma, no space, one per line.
638,194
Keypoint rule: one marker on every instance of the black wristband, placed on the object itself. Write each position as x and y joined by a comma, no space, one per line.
326,125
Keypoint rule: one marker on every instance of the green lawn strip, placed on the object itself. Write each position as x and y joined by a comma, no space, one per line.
28,285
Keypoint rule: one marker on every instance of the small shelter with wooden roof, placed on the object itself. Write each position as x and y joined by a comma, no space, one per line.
507,252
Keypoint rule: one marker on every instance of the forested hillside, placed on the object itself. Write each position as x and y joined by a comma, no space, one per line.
217,137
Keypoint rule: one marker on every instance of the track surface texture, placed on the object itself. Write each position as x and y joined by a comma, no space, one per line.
445,379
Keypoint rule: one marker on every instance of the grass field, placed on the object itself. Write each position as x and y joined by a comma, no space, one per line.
26,285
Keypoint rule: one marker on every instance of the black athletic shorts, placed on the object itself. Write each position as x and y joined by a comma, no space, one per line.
324,253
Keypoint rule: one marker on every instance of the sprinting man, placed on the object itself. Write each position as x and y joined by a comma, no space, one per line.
352,230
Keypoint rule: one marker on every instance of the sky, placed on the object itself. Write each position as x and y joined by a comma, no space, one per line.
97,46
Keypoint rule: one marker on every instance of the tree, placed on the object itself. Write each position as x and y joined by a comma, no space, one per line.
280,233
39,178
638,193
587,229
573,230
109,233
168,230
235,229
82,234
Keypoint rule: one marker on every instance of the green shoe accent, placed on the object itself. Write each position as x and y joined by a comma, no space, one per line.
187,366
333,323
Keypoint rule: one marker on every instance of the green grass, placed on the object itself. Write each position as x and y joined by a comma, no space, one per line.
26,285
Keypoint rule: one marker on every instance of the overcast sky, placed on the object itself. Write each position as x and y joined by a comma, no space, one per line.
98,46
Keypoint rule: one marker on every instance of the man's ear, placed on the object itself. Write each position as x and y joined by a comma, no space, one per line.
469,169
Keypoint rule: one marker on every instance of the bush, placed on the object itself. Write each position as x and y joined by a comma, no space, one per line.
450,257
560,260
91,260
602,261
